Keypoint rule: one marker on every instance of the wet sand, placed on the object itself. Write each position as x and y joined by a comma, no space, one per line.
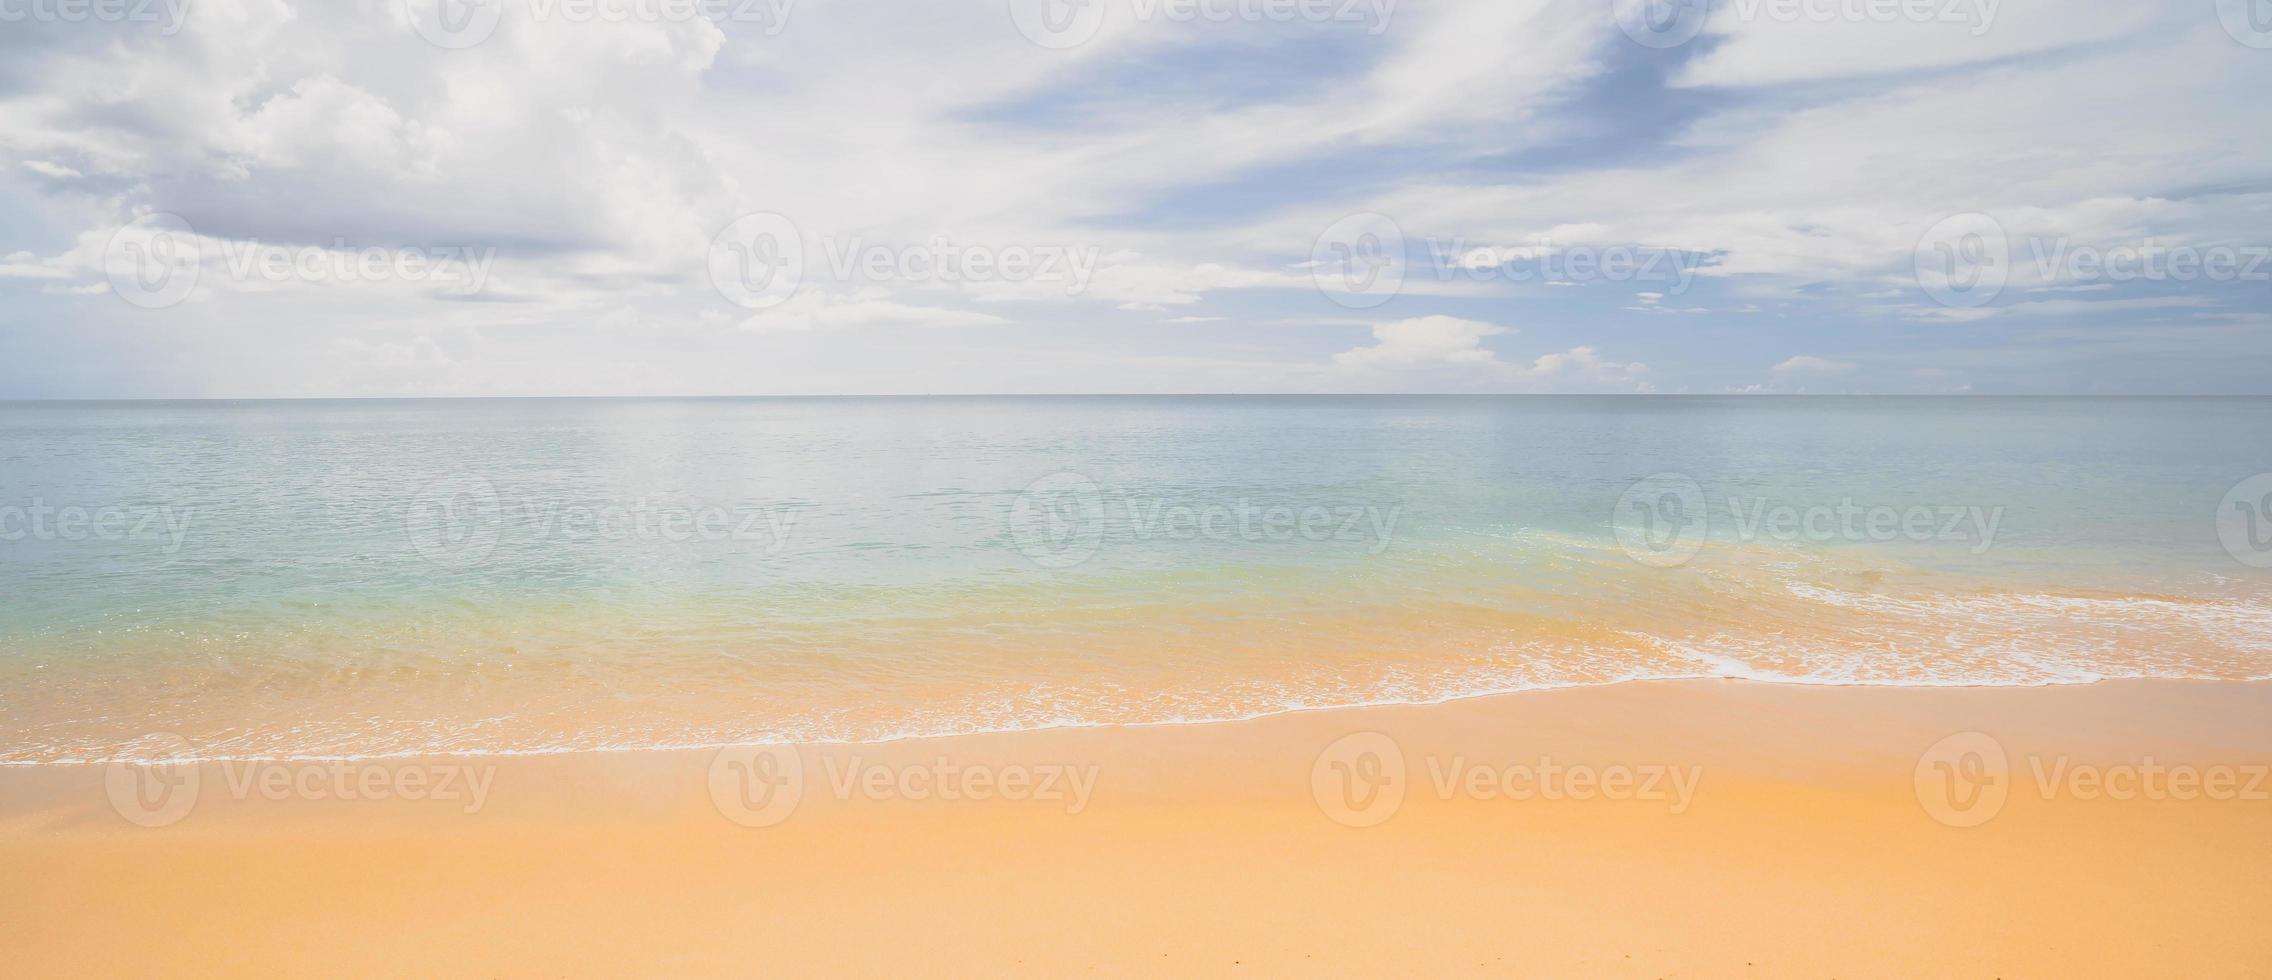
1691,829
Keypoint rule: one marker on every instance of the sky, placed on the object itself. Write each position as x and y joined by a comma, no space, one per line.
251,198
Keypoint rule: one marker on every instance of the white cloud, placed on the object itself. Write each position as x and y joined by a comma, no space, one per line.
1764,49
47,169
1835,187
1810,364
812,309
1446,350
600,158
1429,341
1585,368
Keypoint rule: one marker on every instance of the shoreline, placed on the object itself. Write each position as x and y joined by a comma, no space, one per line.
1692,828
1264,716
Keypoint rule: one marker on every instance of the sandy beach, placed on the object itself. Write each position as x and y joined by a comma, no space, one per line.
1722,829
1119,488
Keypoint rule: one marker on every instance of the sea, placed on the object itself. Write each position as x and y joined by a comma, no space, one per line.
384,578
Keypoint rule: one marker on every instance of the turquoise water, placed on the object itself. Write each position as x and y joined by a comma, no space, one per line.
354,577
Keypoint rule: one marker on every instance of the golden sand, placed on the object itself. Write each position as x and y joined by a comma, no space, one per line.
1817,839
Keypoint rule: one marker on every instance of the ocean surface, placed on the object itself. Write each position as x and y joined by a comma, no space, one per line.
322,579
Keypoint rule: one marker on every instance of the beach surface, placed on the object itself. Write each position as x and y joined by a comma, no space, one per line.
1659,829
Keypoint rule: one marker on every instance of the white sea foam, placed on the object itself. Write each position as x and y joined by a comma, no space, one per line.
1770,620
2239,624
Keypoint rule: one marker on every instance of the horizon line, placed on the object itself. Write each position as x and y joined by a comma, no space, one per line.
1041,395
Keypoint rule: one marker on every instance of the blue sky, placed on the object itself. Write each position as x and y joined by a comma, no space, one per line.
242,198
